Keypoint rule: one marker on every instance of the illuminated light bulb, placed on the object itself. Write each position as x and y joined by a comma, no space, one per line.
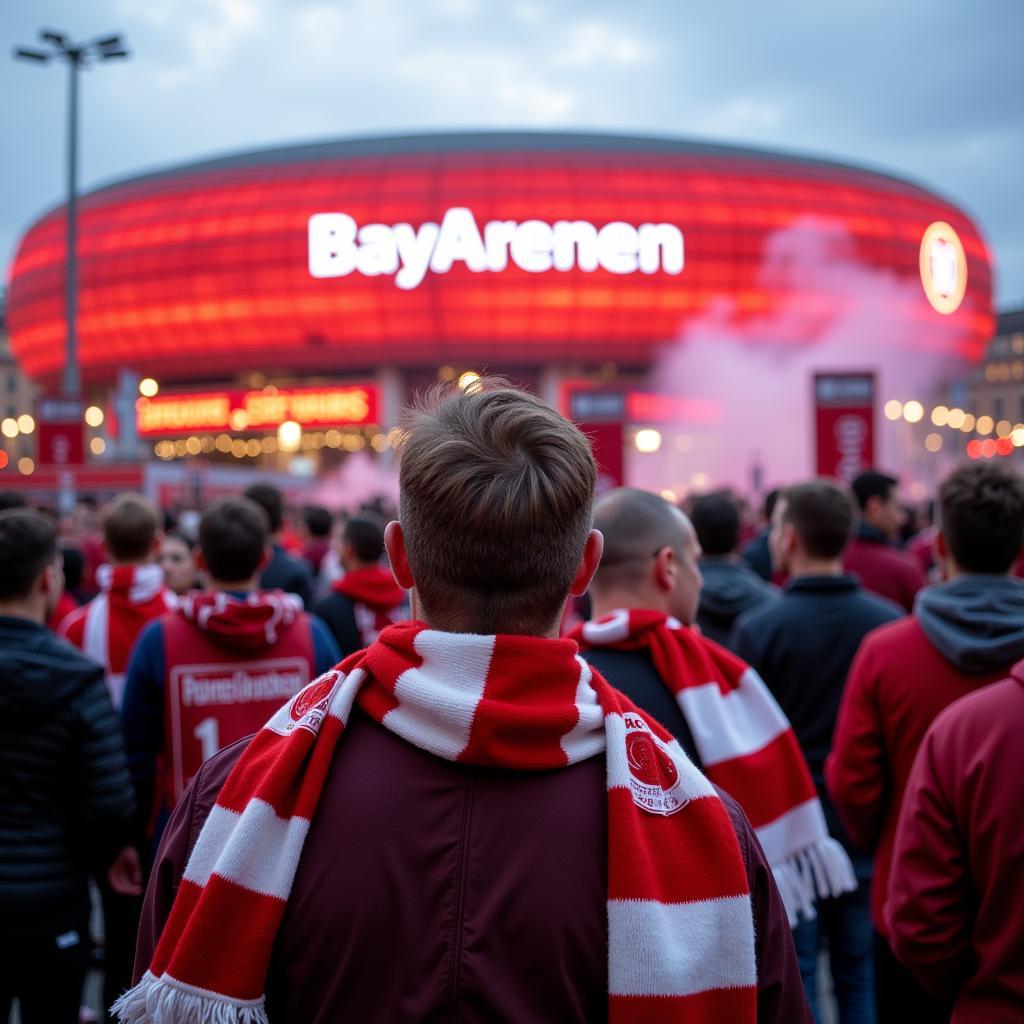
893,409
97,446
289,436
984,425
988,448
468,379
940,415
968,425
148,387
26,466
94,416
956,419
669,495
9,427
193,446
1004,446
647,440
239,419
974,449
1003,428
1017,437
913,412
26,424
933,442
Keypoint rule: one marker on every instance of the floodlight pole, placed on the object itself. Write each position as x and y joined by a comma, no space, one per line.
76,55
72,376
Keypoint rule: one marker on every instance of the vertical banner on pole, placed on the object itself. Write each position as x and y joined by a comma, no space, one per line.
600,415
61,432
844,418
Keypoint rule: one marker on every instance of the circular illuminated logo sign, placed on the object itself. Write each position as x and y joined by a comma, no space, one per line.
943,267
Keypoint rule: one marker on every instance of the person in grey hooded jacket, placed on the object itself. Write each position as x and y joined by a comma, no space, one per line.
966,632
730,586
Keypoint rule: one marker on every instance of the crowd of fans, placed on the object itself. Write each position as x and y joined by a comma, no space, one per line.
843,675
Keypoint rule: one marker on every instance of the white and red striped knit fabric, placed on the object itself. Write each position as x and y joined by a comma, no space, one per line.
680,921
106,627
746,746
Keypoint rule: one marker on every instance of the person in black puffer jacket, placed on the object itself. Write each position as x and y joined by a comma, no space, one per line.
67,806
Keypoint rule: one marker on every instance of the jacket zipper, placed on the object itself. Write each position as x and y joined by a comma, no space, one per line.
460,902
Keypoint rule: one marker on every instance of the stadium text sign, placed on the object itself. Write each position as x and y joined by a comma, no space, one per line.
338,246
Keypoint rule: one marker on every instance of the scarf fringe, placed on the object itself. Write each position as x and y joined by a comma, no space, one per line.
165,1001
820,871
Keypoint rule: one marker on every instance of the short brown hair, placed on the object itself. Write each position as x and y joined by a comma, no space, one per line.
822,516
130,525
233,537
496,492
981,515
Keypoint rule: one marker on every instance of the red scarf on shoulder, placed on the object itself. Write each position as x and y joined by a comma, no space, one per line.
746,746
680,921
376,590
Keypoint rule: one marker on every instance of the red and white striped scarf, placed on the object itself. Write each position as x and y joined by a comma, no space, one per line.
680,924
746,746
107,627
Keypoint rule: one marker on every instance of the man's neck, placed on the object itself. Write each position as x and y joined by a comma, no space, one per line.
33,611
802,567
239,587
603,602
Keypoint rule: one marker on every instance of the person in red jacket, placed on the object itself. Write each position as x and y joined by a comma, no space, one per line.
957,884
366,599
882,568
132,590
964,634
465,822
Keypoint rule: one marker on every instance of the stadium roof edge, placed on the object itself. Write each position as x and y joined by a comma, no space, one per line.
492,141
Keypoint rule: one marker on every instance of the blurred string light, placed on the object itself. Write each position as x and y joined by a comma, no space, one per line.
940,415
913,412
26,424
468,379
933,442
893,409
9,427
647,440
26,466
94,416
148,387
97,446
984,425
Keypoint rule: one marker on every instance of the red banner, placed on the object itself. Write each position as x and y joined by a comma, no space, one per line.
61,432
844,413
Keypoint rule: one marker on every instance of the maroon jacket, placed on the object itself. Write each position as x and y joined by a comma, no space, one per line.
883,569
957,885
430,890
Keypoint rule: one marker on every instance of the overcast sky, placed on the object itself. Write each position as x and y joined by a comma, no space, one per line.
930,90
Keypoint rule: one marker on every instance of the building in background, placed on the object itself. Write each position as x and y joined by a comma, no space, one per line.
17,404
277,308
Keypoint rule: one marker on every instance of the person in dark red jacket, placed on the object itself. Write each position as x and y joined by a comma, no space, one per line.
957,884
465,858
882,568
964,634
366,598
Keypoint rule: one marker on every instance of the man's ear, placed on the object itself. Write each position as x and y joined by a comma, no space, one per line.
592,552
394,544
665,568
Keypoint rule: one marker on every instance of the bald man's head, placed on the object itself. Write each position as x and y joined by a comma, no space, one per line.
650,551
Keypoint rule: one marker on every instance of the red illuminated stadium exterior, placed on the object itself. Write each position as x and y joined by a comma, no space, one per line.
200,274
